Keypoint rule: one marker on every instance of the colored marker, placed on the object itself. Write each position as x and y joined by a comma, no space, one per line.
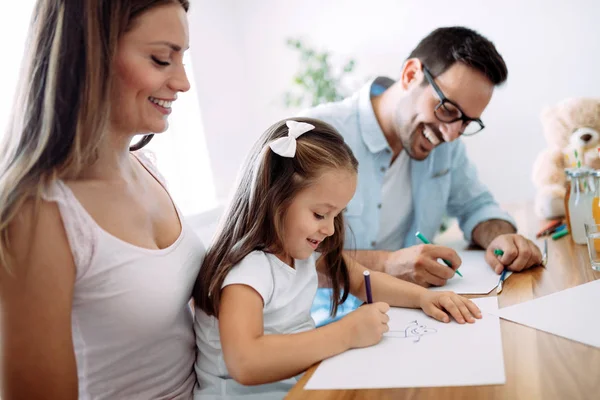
367,275
500,253
501,282
550,228
557,235
558,228
423,239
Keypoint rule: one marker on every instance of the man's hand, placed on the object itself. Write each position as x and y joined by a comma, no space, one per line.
519,253
419,264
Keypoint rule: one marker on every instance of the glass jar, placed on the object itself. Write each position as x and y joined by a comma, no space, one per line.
580,204
595,175
568,177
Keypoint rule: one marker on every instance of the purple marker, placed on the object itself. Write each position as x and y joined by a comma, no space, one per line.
367,275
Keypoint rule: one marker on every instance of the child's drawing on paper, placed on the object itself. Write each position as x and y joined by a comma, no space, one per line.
413,330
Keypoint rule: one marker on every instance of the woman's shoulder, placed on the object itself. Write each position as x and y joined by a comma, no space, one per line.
37,236
73,218
36,215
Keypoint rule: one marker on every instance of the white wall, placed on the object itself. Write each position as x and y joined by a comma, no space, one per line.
219,65
551,49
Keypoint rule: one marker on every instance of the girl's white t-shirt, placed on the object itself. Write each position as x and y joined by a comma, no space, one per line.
287,294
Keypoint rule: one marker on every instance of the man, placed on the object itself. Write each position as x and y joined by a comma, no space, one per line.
413,167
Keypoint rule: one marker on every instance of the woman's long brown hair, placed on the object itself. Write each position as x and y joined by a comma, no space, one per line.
62,104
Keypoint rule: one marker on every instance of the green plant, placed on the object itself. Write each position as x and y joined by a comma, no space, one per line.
316,81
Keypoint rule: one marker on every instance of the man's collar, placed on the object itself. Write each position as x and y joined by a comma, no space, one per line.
369,127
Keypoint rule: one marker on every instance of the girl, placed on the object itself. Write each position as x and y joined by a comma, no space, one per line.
97,266
258,280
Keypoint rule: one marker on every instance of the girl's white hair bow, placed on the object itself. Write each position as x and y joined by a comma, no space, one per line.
286,146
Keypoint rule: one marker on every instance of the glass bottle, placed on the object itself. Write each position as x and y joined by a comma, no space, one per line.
595,174
591,180
580,204
568,176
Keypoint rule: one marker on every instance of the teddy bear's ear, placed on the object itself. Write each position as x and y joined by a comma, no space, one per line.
553,126
547,114
561,120
582,112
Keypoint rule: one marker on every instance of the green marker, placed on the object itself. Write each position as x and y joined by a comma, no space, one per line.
500,253
423,239
560,234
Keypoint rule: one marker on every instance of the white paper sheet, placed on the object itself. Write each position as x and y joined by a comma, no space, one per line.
478,276
421,352
571,313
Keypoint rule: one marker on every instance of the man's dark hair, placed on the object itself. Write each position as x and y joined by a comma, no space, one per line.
439,50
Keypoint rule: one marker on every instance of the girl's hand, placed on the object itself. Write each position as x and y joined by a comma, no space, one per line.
367,324
462,309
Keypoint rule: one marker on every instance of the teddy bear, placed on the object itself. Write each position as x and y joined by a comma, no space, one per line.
572,132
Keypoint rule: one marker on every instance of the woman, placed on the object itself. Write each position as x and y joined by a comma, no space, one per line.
97,263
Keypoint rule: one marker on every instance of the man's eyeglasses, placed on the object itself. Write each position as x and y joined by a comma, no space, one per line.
448,112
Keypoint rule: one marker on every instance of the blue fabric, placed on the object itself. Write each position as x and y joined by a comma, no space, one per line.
321,306
445,183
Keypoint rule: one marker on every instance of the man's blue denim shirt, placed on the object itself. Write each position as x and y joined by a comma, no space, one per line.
445,183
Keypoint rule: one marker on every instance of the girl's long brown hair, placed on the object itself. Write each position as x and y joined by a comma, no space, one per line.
62,104
254,219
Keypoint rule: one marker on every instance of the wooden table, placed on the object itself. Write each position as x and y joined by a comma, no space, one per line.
538,365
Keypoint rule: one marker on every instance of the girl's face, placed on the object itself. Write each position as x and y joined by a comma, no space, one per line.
309,219
149,70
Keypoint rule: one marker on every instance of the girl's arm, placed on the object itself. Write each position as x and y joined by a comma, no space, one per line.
254,358
36,349
399,293
384,287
